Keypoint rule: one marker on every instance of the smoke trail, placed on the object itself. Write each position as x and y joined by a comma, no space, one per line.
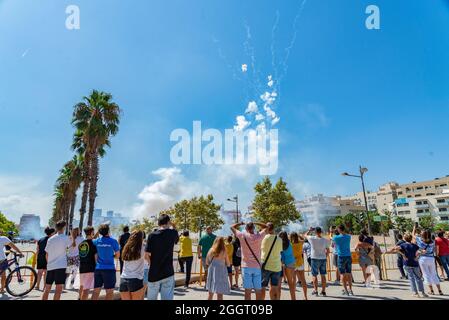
223,57
273,47
250,52
293,40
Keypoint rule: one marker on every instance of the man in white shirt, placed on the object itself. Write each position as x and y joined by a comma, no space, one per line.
56,250
5,241
319,250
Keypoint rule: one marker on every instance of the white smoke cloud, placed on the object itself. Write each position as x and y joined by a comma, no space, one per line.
242,123
20,195
252,107
270,112
275,121
244,68
270,81
171,187
259,117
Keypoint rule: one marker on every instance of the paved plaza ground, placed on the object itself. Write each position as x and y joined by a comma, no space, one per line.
393,289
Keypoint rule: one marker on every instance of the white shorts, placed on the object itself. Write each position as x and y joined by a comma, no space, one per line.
300,268
87,280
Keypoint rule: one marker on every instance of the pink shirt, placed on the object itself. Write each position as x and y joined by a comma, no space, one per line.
255,241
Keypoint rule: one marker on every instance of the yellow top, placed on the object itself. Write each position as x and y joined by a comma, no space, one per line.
229,250
185,243
297,252
274,262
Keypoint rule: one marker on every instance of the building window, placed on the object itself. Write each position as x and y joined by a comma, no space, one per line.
444,218
443,209
420,211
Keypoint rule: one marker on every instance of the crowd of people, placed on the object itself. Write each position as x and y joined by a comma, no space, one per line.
258,253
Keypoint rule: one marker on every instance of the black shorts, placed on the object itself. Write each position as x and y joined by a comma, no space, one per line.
105,279
56,276
41,262
130,285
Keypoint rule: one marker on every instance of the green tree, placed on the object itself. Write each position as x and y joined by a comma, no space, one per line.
352,222
146,225
6,225
96,119
403,224
196,213
442,226
66,186
427,222
274,204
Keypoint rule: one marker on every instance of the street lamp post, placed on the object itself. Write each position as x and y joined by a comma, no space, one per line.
362,171
236,200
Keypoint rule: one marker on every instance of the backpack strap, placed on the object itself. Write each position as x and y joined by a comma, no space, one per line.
269,252
250,249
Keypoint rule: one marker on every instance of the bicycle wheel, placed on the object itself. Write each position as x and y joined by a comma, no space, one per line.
21,281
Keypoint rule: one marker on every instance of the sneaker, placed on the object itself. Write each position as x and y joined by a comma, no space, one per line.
315,293
323,293
416,295
351,293
424,295
344,292
441,293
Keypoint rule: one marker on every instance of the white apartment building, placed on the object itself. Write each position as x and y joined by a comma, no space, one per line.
318,210
427,198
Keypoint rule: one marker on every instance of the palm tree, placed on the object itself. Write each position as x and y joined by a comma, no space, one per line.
66,187
95,119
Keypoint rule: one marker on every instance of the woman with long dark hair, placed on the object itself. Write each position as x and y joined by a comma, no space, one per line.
131,279
236,260
289,263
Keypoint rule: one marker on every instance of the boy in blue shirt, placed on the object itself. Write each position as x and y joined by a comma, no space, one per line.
108,250
343,248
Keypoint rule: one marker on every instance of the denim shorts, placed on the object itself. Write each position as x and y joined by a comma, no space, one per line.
3,265
252,278
164,287
270,277
105,279
344,264
319,267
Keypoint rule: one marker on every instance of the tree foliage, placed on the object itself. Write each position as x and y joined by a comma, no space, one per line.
442,226
274,204
7,225
196,214
146,225
427,222
403,224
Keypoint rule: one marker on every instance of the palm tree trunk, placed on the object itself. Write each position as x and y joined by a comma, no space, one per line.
86,184
72,211
67,205
93,186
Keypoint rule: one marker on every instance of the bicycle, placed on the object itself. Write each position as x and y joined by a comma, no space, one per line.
16,281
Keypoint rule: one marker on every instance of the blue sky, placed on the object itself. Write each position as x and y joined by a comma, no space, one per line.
351,96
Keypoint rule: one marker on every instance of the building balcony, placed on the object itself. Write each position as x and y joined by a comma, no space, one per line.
422,206
442,204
